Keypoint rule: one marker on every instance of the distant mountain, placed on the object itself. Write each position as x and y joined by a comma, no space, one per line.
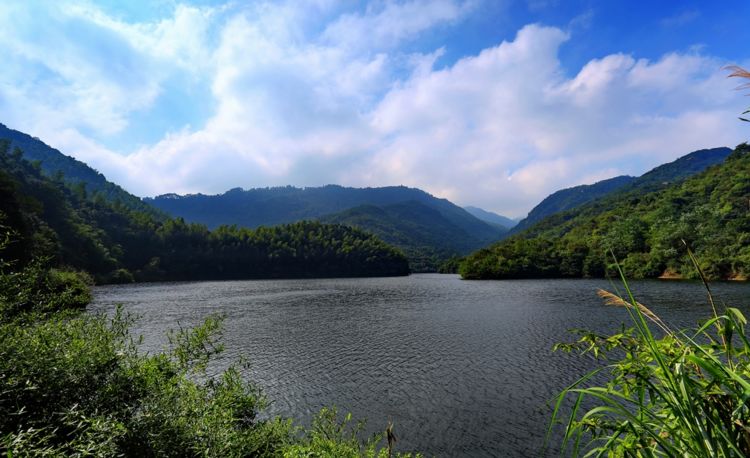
56,164
423,233
659,177
566,199
643,224
681,168
492,217
428,228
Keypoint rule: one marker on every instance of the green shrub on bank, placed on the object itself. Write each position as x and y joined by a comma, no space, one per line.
330,437
38,289
73,384
667,392
77,385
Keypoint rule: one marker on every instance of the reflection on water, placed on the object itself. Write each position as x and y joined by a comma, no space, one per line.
461,368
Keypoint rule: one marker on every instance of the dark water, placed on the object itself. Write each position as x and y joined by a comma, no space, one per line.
461,368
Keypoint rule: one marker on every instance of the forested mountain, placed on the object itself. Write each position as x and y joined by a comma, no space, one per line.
269,206
429,229
566,199
643,225
492,218
423,233
681,168
663,175
49,218
61,167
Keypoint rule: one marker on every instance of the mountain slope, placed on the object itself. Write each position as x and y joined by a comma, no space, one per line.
493,218
426,236
663,175
53,163
643,226
49,219
428,228
566,199
681,168
270,206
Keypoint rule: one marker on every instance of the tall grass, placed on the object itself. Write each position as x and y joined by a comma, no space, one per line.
668,393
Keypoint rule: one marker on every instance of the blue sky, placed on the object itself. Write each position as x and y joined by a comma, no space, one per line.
487,103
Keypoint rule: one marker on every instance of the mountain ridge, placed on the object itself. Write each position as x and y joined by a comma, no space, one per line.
54,163
269,206
660,176
645,227
491,217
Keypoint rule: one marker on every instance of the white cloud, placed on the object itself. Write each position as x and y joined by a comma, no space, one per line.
303,96
384,25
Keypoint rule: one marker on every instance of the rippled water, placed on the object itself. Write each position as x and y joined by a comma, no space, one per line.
461,368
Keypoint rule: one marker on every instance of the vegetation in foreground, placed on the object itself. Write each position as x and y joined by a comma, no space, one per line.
75,384
709,210
668,393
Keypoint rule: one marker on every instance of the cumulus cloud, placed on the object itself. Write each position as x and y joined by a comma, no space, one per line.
314,94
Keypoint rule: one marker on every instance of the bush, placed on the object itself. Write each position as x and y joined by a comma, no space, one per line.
330,437
683,394
36,289
77,385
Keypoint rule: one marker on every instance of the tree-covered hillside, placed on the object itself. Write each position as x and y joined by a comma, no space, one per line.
434,231
659,177
426,237
270,206
56,165
569,198
53,219
645,229
493,218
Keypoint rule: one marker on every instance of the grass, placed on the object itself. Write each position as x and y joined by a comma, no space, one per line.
668,393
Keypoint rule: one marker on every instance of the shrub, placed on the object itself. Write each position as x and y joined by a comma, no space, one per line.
684,393
77,385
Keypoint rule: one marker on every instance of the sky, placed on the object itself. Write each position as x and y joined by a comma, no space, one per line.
491,103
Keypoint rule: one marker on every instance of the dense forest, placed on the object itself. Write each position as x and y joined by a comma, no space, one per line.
426,237
57,165
659,177
644,227
113,241
429,230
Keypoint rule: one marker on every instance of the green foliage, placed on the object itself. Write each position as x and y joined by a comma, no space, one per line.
682,394
39,290
426,237
427,229
643,228
450,266
279,205
571,198
119,244
330,437
77,385
85,180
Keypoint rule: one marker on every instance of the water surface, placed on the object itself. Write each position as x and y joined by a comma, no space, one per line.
461,368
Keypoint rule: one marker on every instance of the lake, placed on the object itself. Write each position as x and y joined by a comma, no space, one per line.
461,368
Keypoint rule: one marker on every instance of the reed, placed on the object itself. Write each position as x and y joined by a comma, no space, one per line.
667,393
